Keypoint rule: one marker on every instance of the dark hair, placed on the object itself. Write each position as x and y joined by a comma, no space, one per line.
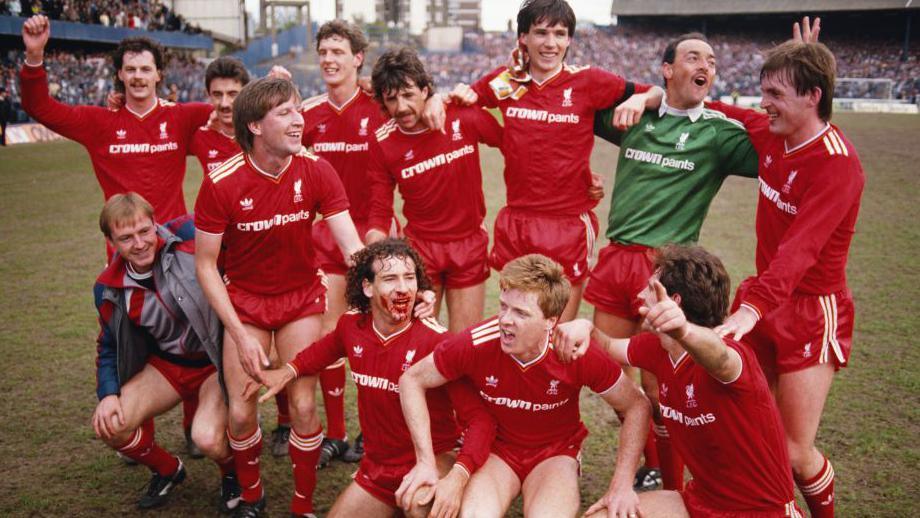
364,269
136,45
225,67
395,68
699,278
254,101
804,66
349,31
550,11
670,52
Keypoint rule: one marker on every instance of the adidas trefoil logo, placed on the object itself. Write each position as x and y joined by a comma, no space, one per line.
246,203
212,153
121,134
336,392
491,381
358,351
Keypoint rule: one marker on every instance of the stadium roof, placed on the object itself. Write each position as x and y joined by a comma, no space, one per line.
708,7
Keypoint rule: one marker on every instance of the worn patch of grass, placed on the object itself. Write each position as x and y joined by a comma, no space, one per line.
52,251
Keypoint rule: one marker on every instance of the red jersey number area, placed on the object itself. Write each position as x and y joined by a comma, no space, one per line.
549,134
534,404
729,434
267,222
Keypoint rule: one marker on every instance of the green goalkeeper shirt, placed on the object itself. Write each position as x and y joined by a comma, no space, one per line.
670,167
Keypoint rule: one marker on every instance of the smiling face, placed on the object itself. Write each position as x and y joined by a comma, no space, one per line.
281,129
393,290
139,74
691,75
136,242
406,105
221,95
790,112
546,47
338,64
523,327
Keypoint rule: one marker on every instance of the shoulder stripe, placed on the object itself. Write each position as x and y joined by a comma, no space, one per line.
574,69
164,102
486,338
227,168
306,154
714,114
313,102
434,325
353,311
836,138
486,328
385,130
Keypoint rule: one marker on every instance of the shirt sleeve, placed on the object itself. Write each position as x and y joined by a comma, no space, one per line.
331,193
608,90
194,116
643,351
599,372
828,200
73,122
487,127
756,123
106,351
477,423
485,91
322,353
736,152
383,184
455,356
211,215
746,381
604,128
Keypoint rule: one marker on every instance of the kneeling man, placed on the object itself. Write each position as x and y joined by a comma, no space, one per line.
159,345
382,339
533,397
715,402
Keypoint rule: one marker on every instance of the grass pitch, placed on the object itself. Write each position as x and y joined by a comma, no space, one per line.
52,251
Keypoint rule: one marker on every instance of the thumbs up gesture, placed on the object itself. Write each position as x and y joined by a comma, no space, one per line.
664,315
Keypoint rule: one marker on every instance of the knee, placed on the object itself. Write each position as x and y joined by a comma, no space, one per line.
801,455
472,509
302,405
211,440
241,416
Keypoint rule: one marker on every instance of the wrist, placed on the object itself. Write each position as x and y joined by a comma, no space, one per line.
34,59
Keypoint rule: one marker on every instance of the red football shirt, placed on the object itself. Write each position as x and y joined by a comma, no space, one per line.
212,148
341,134
729,434
438,175
144,153
267,222
806,212
376,363
549,134
534,404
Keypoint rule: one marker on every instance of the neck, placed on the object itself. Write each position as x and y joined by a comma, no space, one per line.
675,101
540,76
671,345
140,106
340,94
534,351
806,131
139,270
387,326
267,161
226,129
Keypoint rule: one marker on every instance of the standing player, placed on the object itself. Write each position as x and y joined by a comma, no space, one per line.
338,125
797,312
714,398
213,145
382,339
534,398
548,110
261,204
140,147
670,167
159,345
439,179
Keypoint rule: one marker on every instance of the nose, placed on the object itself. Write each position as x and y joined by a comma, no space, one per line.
298,118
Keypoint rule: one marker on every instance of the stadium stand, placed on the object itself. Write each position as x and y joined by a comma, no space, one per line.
138,14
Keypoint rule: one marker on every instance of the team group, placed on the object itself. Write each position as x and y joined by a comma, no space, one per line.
250,292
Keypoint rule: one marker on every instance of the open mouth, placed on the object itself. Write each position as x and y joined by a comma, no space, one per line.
700,80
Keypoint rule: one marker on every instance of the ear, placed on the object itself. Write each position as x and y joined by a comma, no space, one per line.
368,288
814,96
667,70
676,298
255,127
521,43
426,92
359,59
551,323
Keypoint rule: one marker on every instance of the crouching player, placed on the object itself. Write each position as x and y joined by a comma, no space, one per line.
150,302
714,398
534,399
382,340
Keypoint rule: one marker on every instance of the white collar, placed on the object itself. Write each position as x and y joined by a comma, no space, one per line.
809,141
693,113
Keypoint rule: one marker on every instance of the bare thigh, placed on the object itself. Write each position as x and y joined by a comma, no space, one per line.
355,501
290,340
551,489
146,395
571,307
335,302
801,396
465,306
242,415
209,426
490,491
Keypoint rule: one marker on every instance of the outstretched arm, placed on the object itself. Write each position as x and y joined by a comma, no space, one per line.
572,340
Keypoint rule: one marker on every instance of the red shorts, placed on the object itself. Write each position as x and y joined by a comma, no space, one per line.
455,264
381,481
804,331
328,256
186,380
568,240
523,460
272,312
621,273
698,508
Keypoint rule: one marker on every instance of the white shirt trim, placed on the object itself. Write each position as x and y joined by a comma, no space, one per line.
146,113
208,233
540,356
272,176
809,141
549,77
692,113
350,99
615,383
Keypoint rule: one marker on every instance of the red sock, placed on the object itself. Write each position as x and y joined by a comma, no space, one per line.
304,451
819,491
284,414
142,448
332,383
651,450
672,466
226,466
189,407
246,453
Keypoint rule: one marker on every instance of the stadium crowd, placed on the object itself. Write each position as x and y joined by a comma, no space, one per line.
137,14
